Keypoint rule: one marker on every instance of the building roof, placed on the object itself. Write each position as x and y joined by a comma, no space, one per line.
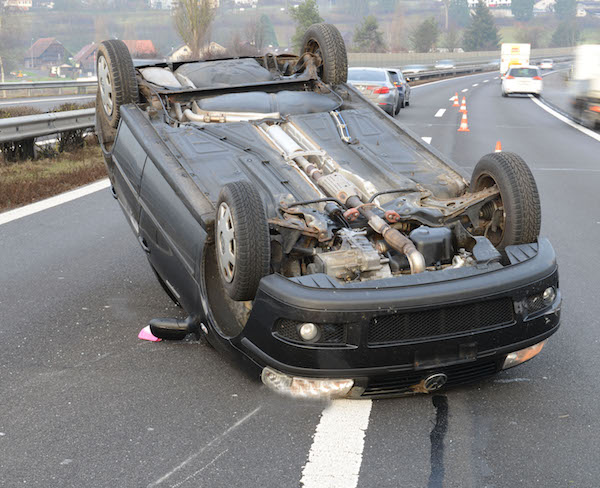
85,52
141,48
39,47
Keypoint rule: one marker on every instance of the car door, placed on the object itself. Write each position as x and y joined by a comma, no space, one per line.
393,80
129,159
172,238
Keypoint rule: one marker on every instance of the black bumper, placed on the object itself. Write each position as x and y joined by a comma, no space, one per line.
408,327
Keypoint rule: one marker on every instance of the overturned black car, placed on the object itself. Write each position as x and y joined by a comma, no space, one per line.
304,228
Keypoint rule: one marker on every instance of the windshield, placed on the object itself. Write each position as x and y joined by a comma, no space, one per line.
523,72
366,75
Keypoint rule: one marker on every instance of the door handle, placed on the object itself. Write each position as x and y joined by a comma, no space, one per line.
144,244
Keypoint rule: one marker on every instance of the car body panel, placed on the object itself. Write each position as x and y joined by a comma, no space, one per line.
522,79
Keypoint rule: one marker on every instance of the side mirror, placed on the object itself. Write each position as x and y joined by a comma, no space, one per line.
407,79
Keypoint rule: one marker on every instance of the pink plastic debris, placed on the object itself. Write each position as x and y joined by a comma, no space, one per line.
147,335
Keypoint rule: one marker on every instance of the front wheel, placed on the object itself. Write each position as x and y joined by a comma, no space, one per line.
514,217
243,245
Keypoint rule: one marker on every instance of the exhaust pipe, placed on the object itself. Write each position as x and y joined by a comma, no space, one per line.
393,237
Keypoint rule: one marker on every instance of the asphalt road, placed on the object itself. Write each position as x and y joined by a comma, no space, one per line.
45,104
84,403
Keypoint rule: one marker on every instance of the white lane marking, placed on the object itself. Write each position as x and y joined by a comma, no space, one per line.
440,112
336,453
49,100
36,207
485,81
562,118
475,84
496,77
195,455
453,98
465,90
427,139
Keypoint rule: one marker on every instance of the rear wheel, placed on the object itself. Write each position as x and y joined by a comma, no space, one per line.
514,217
242,241
117,86
325,41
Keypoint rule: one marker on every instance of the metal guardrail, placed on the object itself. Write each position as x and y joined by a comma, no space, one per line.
31,126
40,85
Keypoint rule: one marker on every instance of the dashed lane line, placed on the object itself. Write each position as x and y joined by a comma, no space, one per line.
466,89
485,81
440,112
427,139
475,84
21,212
562,118
336,453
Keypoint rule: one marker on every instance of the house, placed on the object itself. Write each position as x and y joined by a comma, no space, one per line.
85,58
172,4
22,5
491,3
181,53
45,52
141,49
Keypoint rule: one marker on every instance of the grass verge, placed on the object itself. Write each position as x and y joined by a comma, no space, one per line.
29,181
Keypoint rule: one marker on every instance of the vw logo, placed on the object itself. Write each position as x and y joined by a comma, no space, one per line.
435,381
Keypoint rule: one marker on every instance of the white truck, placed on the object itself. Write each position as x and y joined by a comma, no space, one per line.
585,85
513,55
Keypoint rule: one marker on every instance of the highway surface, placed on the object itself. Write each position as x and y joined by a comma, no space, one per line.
84,403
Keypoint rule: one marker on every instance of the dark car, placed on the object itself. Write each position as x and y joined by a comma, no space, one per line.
402,86
312,235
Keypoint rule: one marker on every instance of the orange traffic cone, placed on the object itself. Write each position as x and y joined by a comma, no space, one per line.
463,106
464,126
498,147
455,104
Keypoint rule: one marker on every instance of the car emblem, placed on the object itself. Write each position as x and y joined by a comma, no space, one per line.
435,381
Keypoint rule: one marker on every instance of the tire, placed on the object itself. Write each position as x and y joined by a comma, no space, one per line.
242,241
117,86
327,42
504,94
404,102
519,199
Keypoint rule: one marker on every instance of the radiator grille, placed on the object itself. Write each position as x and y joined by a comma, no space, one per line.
457,375
447,321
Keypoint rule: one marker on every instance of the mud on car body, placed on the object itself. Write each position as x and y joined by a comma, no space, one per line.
302,228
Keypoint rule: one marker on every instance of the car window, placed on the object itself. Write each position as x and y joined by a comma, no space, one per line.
523,72
366,75
394,76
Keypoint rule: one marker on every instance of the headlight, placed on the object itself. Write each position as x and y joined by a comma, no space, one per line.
519,357
305,387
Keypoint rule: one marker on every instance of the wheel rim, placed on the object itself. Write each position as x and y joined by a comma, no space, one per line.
492,213
105,84
226,246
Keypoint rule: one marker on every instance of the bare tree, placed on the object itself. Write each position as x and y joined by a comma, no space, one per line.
192,21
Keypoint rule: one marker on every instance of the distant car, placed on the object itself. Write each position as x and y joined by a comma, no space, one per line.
547,64
414,69
522,79
377,85
445,64
402,86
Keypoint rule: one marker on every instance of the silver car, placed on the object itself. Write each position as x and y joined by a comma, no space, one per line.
376,84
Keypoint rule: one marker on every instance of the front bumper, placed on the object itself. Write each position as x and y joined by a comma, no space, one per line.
463,326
